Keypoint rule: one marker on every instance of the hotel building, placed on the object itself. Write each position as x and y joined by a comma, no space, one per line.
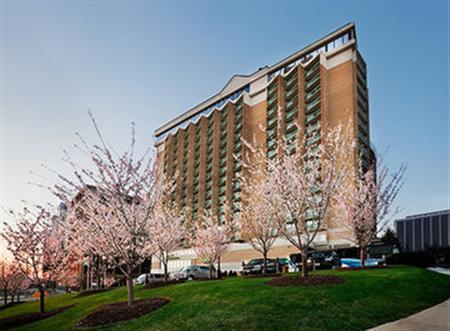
320,85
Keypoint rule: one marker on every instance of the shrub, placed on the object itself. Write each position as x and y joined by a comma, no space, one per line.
425,259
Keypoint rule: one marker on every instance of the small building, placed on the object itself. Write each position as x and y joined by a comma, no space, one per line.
423,231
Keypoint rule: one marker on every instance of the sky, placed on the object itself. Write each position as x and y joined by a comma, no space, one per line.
148,62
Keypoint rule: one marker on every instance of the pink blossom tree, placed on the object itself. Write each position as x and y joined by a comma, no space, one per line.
211,241
257,222
36,252
120,193
167,233
7,271
366,203
303,181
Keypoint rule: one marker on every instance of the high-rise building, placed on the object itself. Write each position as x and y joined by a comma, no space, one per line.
320,85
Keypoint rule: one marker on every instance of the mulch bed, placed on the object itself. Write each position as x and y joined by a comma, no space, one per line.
117,312
161,284
85,293
19,320
305,281
362,268
261,275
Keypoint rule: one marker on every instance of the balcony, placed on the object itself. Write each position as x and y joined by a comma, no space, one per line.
272,153
312,117
271,133
237,127
272,101
291,80
272,90
290,126
291,103
290,115
312,70
291,93
312,94
272,111
312,105
272,122
312,82
290,136
312,140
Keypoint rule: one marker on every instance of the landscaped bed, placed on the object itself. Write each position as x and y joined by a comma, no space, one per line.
318,280
366,299
19,320
116,312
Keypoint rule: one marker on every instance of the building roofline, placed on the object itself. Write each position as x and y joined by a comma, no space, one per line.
247,79
433,213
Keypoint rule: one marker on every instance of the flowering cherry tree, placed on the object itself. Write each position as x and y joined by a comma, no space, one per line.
302,184
211,241
366,203
7,272
257,222
111,204
167,233
36,252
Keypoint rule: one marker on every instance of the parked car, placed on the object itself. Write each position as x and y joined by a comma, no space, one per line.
150,277
191,272
256,266
317,260
325,260
356,263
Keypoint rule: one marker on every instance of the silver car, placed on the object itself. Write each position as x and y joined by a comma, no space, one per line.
191,272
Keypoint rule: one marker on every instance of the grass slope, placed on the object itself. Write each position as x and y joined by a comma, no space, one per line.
366,299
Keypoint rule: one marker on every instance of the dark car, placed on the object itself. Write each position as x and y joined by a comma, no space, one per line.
256,266
318,260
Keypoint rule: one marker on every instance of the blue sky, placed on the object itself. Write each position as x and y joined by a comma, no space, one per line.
148,62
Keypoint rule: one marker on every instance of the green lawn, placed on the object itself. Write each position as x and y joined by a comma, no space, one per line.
366,299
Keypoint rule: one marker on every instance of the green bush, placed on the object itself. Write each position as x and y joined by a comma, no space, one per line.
430,257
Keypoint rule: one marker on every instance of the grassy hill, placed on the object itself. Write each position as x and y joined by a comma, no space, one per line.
364,300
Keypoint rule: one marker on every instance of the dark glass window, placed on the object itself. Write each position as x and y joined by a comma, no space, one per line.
417,234
426,233
409,234
444,230
435,231
401,233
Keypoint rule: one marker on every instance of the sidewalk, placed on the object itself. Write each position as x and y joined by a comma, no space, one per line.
436,318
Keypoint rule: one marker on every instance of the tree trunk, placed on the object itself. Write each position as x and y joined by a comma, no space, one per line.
362,256
5,296
130,289
304,265
166,275
41,300
219,273
264,271
12,298
18,297
210,271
